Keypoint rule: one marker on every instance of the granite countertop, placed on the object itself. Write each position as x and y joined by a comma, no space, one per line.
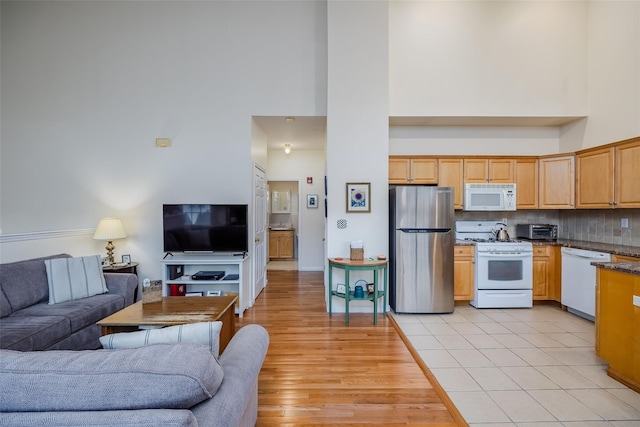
593,246
623,267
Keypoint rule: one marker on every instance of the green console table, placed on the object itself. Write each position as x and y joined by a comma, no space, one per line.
348,265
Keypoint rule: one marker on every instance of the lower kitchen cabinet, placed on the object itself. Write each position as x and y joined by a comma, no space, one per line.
618,325
545,273
280,244
623,258
463,272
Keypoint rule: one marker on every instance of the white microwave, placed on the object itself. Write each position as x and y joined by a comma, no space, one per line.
489,197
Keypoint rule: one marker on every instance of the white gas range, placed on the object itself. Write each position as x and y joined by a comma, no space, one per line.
503,268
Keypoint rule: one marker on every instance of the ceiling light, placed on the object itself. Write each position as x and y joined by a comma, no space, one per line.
289,119
287,148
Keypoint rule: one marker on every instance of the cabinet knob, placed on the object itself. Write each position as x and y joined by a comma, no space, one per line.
539,250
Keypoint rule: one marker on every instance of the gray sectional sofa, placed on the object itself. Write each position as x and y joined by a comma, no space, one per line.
152,386
28,322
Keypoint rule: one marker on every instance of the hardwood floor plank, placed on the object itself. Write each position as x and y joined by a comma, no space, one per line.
318,371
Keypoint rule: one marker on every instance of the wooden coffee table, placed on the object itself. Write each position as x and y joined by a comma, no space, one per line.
175,311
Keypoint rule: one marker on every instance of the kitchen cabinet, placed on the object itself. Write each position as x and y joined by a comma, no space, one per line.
494,171
450,174
545,277
609,177
526,179
556,185
403,170
280,244
463,272
595,179
617,324
624,258
627,174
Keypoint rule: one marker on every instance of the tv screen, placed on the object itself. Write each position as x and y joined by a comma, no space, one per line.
205,228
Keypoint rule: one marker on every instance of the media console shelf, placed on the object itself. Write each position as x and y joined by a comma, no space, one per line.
235,279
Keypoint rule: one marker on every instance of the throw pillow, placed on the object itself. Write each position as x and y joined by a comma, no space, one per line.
207,333
74,278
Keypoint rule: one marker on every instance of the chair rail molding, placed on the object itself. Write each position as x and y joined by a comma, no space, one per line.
43,235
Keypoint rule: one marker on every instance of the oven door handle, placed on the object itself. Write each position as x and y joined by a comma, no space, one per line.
505,255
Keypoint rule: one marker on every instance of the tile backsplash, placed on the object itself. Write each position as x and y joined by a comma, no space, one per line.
593,225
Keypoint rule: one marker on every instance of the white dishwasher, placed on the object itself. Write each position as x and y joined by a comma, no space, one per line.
579,280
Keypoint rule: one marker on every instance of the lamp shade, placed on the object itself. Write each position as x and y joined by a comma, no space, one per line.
110,229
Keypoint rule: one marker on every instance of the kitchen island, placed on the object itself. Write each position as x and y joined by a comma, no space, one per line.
617,324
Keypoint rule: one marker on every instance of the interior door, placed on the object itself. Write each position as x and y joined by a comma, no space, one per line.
260,232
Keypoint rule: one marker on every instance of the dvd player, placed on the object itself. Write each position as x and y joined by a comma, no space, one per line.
208,275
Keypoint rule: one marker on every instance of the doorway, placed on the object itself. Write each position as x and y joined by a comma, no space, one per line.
283,217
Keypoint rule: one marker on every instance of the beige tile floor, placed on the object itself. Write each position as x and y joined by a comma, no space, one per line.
521,367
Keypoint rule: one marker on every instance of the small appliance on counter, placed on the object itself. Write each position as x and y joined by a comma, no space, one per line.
537,231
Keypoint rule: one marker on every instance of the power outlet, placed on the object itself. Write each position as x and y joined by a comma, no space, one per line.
624,222
636,300
504,221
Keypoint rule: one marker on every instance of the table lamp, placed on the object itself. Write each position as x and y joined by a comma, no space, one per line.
110,229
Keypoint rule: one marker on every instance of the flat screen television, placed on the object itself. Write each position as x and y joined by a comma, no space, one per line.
205,228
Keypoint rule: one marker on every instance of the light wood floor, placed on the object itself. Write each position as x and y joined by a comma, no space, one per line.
320,372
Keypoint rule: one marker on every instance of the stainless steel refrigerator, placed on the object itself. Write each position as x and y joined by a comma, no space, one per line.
421,240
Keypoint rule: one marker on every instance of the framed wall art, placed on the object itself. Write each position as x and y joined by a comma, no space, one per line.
359,197
312,200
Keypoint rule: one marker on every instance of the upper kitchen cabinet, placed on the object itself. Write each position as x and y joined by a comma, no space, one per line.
594,178
556,184
407,170
450,173
609,177
526,173
627,171
494,171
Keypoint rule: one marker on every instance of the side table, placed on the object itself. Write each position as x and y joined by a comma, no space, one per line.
132,267
348,265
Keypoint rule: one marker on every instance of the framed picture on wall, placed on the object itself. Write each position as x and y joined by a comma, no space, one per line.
359,197
312,201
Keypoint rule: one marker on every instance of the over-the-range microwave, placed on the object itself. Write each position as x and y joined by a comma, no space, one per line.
489,197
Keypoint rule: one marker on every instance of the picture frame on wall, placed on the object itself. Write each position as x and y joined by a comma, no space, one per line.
312,201
358,197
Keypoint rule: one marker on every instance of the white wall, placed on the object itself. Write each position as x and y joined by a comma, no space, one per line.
88,86
297,166
473,140
487,58
357,124
614,72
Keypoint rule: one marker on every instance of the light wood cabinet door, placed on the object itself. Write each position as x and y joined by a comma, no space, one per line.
628,175
463,273
413,171
450,174
399,171
526,174
281,244
542,272
617,324
273,245
556,182
595,179
495,171
476,170
501,171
